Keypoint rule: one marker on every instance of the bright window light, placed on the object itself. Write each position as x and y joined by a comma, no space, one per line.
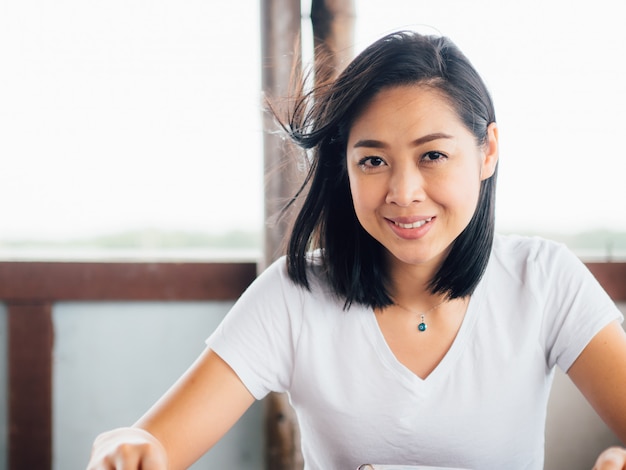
132,115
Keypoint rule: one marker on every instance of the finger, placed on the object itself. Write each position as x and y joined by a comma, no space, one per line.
153,461
127,457
140,457
613,458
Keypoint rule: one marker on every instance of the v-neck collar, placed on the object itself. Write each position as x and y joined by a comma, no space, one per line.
405,375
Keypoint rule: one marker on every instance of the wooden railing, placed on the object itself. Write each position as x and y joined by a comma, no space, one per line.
29,289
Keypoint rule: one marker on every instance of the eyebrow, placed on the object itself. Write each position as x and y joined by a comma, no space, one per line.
377,144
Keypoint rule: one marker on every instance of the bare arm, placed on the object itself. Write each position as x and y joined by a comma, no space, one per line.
186,422
600,374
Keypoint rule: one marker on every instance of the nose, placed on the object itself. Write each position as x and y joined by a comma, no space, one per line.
406,186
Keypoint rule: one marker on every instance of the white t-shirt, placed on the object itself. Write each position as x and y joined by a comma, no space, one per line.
484,405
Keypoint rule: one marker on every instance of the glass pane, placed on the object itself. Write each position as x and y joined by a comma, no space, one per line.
121,117
126,116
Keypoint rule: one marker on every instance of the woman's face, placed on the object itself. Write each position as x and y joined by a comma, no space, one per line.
415,173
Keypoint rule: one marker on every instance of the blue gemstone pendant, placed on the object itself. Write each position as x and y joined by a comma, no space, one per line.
422,326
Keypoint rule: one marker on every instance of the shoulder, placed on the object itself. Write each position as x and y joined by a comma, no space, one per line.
525,247
275,279
544,268
522,252
535,264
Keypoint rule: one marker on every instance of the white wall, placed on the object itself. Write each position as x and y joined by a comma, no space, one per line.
113,360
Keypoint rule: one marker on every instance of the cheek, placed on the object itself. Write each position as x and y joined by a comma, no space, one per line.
464,197
457,190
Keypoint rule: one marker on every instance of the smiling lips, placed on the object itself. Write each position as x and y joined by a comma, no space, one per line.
416,224
410,229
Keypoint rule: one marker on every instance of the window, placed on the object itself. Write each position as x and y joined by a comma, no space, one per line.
122,119
126,119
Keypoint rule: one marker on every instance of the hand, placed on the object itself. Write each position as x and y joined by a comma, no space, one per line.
127,449
614,458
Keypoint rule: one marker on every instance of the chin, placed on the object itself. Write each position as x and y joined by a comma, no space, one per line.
413,259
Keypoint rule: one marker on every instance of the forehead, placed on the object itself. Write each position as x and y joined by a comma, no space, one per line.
401,107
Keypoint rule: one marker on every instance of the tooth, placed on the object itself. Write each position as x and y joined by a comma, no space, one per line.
417,224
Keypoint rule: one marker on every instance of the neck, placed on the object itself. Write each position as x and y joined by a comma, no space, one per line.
410,286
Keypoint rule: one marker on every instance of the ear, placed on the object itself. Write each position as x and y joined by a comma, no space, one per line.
490,155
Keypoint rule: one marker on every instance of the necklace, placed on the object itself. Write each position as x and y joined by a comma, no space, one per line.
422,326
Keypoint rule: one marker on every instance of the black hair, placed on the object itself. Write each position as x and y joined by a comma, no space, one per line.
319,122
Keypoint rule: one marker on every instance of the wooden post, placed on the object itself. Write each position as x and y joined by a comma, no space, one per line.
281,40
280,60
333,36
30,338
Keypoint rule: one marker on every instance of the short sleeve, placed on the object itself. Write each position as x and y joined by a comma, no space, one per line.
258,336
576,306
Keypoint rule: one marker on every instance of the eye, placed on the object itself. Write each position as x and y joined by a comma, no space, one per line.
371,162
433,156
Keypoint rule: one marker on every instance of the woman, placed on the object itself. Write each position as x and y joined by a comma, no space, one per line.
403,329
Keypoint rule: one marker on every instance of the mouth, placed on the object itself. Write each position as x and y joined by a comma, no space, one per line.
416,224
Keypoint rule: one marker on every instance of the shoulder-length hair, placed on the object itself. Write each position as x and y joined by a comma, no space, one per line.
319,122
